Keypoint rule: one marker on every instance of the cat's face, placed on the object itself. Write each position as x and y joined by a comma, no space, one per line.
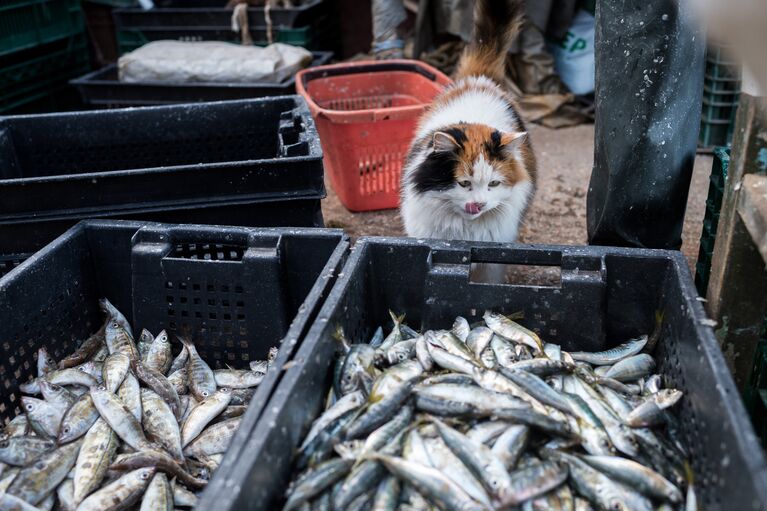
473,167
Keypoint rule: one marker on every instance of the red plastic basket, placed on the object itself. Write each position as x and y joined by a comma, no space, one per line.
366,114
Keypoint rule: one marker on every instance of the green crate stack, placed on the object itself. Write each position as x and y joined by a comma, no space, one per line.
42,46
26,24
711,219
38,81
129,40
721,92
116,3
317,36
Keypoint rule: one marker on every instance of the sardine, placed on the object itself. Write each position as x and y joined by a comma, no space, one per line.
158,495
202,382
98,449
612,355
21,451
78,419
34,482
115,367
215,439
159,356
119,418
159,459
120,494
160,424
202,414
86,350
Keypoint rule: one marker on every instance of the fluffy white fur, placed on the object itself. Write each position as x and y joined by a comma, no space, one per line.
440,214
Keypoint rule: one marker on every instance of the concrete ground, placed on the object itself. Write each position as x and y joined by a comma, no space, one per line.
558,213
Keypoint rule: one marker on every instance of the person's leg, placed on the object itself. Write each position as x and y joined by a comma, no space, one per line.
649,83
388,15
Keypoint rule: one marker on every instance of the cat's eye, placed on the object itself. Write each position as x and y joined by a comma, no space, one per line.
494,184
464,183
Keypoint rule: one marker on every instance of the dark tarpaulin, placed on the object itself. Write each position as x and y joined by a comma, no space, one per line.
649,83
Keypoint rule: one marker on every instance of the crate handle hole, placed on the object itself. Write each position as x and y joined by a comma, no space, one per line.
516,274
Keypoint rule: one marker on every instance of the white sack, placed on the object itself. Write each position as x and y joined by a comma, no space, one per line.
211,61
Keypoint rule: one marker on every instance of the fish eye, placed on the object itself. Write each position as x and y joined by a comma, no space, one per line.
4,444
40,465
30,407
66,429
493,184
465,183
204,393
348,377
145,475
114,324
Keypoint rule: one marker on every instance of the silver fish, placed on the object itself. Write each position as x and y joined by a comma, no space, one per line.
612,355
432,483
98,450
632,368
159,495
120,494
34,482
159,357
119,418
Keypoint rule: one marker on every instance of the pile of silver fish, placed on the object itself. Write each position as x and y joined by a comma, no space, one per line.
489,416
121,423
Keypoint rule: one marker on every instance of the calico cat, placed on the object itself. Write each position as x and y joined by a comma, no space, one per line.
470,171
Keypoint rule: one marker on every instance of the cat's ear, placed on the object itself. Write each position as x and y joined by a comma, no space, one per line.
444,142
512,141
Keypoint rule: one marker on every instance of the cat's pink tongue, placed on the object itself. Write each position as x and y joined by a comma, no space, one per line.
472,208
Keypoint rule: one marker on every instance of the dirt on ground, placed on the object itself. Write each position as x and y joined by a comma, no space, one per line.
558,213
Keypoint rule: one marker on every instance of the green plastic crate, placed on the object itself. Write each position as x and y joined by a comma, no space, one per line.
717,180
48,72
28,23
129,40
721,93
116,3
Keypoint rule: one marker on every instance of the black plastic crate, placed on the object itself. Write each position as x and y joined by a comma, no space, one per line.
212,13
241,291
29,235
605,295
193,163
103,88
316,37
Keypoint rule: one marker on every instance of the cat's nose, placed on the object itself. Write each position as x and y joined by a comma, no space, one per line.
474,207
